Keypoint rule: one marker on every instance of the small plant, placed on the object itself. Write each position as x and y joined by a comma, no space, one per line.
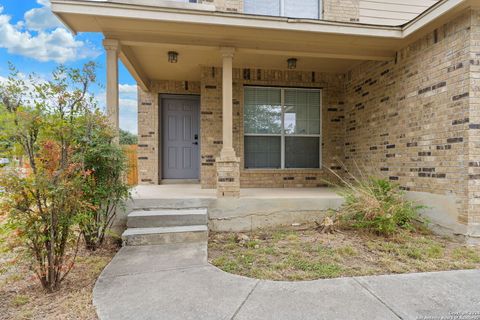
377,205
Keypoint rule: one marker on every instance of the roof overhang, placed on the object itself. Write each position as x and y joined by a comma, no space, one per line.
149,28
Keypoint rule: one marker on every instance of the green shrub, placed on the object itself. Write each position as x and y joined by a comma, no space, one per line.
378,205
44,121
74,176
127,138
105,189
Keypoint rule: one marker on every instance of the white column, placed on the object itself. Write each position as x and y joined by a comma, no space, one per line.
227,150
228,165
112,48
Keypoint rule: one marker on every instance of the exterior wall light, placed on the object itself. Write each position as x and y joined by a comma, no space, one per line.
292,63
172,56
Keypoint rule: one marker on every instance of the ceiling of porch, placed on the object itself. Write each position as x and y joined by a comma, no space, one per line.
153,60
146,43
147,33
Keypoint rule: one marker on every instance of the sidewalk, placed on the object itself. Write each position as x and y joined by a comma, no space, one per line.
176,282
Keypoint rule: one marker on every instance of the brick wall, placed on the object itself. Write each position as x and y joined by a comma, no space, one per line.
341,10
334,10
211,124
149,144
226,5
411,120
414,120
474,127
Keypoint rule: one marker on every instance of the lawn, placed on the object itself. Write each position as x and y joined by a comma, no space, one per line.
302,253
22,297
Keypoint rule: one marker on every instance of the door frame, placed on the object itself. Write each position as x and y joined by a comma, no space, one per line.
161,98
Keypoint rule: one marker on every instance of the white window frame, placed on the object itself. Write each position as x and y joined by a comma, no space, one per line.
282,10
282,135
320,9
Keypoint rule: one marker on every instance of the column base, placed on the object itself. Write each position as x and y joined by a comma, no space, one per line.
228,177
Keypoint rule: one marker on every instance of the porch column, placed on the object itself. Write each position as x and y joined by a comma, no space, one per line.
228,165
112,48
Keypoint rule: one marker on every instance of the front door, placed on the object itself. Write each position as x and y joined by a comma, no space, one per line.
181,149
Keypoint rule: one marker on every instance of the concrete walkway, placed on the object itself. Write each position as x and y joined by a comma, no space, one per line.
176,282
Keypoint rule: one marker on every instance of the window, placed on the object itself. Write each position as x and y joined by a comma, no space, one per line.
282,128
307,9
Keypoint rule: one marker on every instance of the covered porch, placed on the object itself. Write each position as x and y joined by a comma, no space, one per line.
233,116
185,58
254,208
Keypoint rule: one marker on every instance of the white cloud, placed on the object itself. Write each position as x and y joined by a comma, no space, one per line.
128,106
36,39
45,3
128,88
41,18
129,122
128,103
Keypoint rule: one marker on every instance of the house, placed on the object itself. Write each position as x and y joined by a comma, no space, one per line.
276,93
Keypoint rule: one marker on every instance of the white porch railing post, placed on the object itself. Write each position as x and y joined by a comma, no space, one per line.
112,48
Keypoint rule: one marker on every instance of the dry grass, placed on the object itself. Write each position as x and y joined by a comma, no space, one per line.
21,296
292,254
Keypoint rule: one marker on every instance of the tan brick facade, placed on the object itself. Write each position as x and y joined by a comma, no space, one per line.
474,127
341,10
211,124
226,5
333,10
414,120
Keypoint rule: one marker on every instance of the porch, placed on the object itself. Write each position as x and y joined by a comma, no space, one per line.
381,106
255,208
265,104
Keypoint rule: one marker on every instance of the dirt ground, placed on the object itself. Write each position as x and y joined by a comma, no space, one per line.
302,253
22,297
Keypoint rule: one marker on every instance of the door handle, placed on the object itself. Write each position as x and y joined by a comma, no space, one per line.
195,143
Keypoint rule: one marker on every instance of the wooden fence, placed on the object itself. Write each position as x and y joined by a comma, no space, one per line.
132,174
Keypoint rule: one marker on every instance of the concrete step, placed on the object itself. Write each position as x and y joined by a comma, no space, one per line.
166,218
165,235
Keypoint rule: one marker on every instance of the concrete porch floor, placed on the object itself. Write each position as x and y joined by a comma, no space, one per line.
187,191
255,208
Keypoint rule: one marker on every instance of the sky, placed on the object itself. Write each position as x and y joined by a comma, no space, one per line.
35,41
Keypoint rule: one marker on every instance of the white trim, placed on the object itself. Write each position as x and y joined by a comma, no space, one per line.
130,62
320,9
186,4
65,23
431,14
129,9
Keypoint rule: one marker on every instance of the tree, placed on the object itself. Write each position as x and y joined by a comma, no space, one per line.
46,122
128,138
